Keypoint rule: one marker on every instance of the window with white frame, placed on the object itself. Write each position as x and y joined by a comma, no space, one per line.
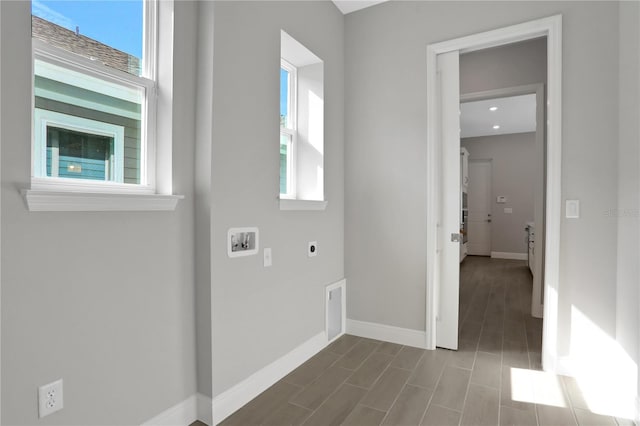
301,122
94,101
288,128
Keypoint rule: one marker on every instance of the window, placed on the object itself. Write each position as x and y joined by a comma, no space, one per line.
288,125
301,126
78,148
94,115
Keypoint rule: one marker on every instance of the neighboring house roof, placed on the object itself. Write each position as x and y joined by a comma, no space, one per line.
69,40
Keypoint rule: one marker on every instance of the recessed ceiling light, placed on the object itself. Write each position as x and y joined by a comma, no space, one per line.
493,108
496,127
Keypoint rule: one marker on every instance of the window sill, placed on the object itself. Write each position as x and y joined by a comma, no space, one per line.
57,201
286,204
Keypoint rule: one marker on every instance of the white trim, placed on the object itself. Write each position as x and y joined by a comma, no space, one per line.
79,65
84,185
291,168
506,255
286,204
342,284
232,399
155,152
205,409
292,99
0,215
387,333
150,29
52,201
550,27
525,89
182,414
291,128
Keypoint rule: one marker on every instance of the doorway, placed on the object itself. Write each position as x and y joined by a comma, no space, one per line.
443,124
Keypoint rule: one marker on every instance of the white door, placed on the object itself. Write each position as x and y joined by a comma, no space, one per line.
479,199
448,272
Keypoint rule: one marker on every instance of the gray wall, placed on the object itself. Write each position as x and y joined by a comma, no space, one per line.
513,174
111,310
259,314
512,65
386,152
203,196
628,215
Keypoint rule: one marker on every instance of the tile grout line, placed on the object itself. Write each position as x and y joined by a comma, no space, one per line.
340,384
444,366
401,389
526,340
318,377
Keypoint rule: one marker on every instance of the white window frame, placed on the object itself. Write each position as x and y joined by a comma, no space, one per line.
44,118
292,129
152,193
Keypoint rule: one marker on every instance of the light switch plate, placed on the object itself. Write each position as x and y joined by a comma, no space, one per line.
501,199
267,257
572,209
508,210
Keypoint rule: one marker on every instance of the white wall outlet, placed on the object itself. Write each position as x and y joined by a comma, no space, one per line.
267,257
312,251
508,210
50,398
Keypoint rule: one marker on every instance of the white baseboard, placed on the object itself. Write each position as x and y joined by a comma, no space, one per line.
537,310
387,333
205,409
232,399
504,255
182,414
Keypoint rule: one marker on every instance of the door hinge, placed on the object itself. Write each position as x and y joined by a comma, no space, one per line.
455,238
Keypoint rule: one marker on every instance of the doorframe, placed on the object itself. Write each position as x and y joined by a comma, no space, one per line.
550,27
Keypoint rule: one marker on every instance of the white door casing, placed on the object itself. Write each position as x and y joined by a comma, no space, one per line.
479,199
450,240
551,28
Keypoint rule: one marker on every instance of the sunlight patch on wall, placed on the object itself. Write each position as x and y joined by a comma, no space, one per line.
605,373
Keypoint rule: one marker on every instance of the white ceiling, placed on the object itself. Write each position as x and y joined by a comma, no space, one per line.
516,114
348,6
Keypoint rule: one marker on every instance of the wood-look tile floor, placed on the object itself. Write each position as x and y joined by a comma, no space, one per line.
358,381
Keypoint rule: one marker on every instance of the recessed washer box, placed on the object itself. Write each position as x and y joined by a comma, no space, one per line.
242,241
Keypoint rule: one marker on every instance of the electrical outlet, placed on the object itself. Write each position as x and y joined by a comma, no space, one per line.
313,249
50,398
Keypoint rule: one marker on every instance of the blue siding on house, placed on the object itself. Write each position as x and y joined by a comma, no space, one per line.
132,131
88,168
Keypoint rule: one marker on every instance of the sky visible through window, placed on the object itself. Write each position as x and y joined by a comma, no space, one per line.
117,23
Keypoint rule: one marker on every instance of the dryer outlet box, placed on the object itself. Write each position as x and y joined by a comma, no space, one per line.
312,250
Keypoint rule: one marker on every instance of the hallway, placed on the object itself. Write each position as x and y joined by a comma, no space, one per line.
494,378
